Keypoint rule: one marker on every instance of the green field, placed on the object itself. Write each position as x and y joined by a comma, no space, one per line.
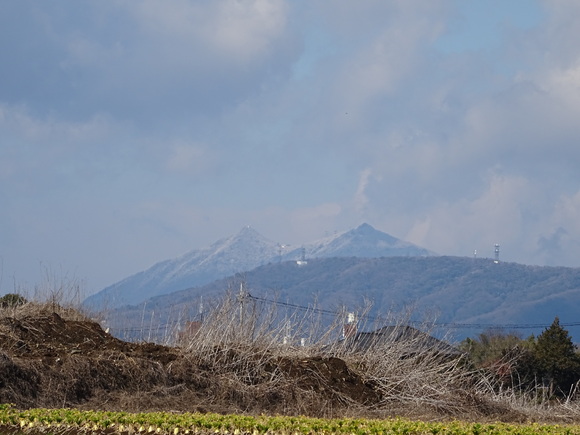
72,421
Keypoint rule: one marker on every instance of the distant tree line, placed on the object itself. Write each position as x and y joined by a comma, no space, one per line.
549,363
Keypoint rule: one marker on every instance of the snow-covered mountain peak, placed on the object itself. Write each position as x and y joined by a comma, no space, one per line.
245,248
251,236
362,241
243,252
366,233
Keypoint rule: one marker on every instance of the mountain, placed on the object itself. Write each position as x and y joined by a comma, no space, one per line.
464,293
243,251
239,253
363,241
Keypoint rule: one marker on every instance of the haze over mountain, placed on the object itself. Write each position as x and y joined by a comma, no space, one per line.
457,290
243,252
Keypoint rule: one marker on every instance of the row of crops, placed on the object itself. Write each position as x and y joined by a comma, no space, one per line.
73,421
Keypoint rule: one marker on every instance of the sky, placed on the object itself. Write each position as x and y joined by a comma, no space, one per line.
134,131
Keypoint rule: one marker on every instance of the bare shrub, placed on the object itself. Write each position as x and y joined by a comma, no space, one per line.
410,368
257,350
261,355
62,296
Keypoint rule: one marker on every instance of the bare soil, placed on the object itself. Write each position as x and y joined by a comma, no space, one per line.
47,361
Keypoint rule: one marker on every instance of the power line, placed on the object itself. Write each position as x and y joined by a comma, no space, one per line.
498,325
448,325
298,307
451,325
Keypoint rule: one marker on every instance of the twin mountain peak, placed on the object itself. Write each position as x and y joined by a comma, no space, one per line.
242,252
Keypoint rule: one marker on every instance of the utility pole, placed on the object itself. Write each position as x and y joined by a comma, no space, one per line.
242,295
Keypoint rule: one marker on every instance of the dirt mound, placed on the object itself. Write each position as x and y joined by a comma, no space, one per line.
52,336
47,361
329,376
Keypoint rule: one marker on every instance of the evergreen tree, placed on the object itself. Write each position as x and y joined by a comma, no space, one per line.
557,361
12,300
504,354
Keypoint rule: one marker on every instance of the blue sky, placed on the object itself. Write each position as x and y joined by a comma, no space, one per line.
132,132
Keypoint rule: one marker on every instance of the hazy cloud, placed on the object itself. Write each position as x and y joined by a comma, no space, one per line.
135,131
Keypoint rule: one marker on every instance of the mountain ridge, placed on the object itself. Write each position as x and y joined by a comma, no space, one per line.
454,290
241,252
368,242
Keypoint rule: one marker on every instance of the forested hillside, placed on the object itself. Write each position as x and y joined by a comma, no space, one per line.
454,290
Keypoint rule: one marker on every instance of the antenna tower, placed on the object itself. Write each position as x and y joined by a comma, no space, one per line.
281,249
302,261
496,251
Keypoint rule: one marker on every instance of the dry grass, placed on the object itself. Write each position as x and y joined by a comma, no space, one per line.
251,357
251,350
243,342
54,295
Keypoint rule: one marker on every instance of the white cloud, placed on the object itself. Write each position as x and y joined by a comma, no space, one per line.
43,155
188,58
515,212
558,241
192,158
240,31
496,216
419,232
183,121
360,199
566,213
20,122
